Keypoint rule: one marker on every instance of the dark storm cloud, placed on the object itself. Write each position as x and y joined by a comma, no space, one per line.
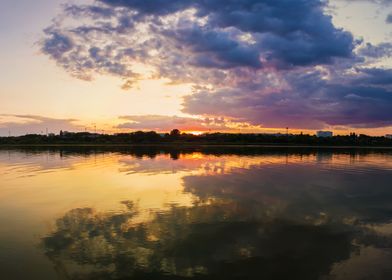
287,32
378,2
376,51
291,32
376,76
389,18
283,33
309,102
267,62
216,49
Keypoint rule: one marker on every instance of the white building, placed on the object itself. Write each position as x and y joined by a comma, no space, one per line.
389,136
324,133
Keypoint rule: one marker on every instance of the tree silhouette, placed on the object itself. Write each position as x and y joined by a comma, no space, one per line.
175,133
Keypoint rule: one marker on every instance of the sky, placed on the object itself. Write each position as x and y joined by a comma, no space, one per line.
196,65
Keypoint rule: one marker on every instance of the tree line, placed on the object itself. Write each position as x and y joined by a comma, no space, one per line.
177,137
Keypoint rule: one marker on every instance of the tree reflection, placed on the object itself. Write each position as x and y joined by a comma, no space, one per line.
218,240
287,221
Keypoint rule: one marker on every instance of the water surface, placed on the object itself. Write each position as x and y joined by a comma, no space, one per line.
158,213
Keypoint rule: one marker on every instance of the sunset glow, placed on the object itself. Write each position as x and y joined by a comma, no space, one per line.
118,66
196,139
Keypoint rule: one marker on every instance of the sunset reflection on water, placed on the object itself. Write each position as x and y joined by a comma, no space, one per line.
200,214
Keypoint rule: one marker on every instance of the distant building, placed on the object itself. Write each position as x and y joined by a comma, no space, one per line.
324,133
389,136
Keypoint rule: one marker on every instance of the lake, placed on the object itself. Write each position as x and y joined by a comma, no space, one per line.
195,213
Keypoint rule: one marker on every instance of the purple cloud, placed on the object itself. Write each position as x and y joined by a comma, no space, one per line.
389,18
376,51
266,62
209,34
309,101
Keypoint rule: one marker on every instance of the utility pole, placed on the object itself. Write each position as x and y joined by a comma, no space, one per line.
287,134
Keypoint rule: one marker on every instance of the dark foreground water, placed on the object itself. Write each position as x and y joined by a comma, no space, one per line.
195,214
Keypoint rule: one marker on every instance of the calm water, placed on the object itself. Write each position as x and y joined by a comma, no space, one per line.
195,214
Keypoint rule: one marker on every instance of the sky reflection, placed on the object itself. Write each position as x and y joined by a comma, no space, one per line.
278,214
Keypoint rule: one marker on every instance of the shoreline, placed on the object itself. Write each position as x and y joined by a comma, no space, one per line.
193,145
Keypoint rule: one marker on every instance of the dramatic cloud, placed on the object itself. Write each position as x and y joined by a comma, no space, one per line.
389,18
376,76
219,34
32,124
379,2
308,101
376,51
265,62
